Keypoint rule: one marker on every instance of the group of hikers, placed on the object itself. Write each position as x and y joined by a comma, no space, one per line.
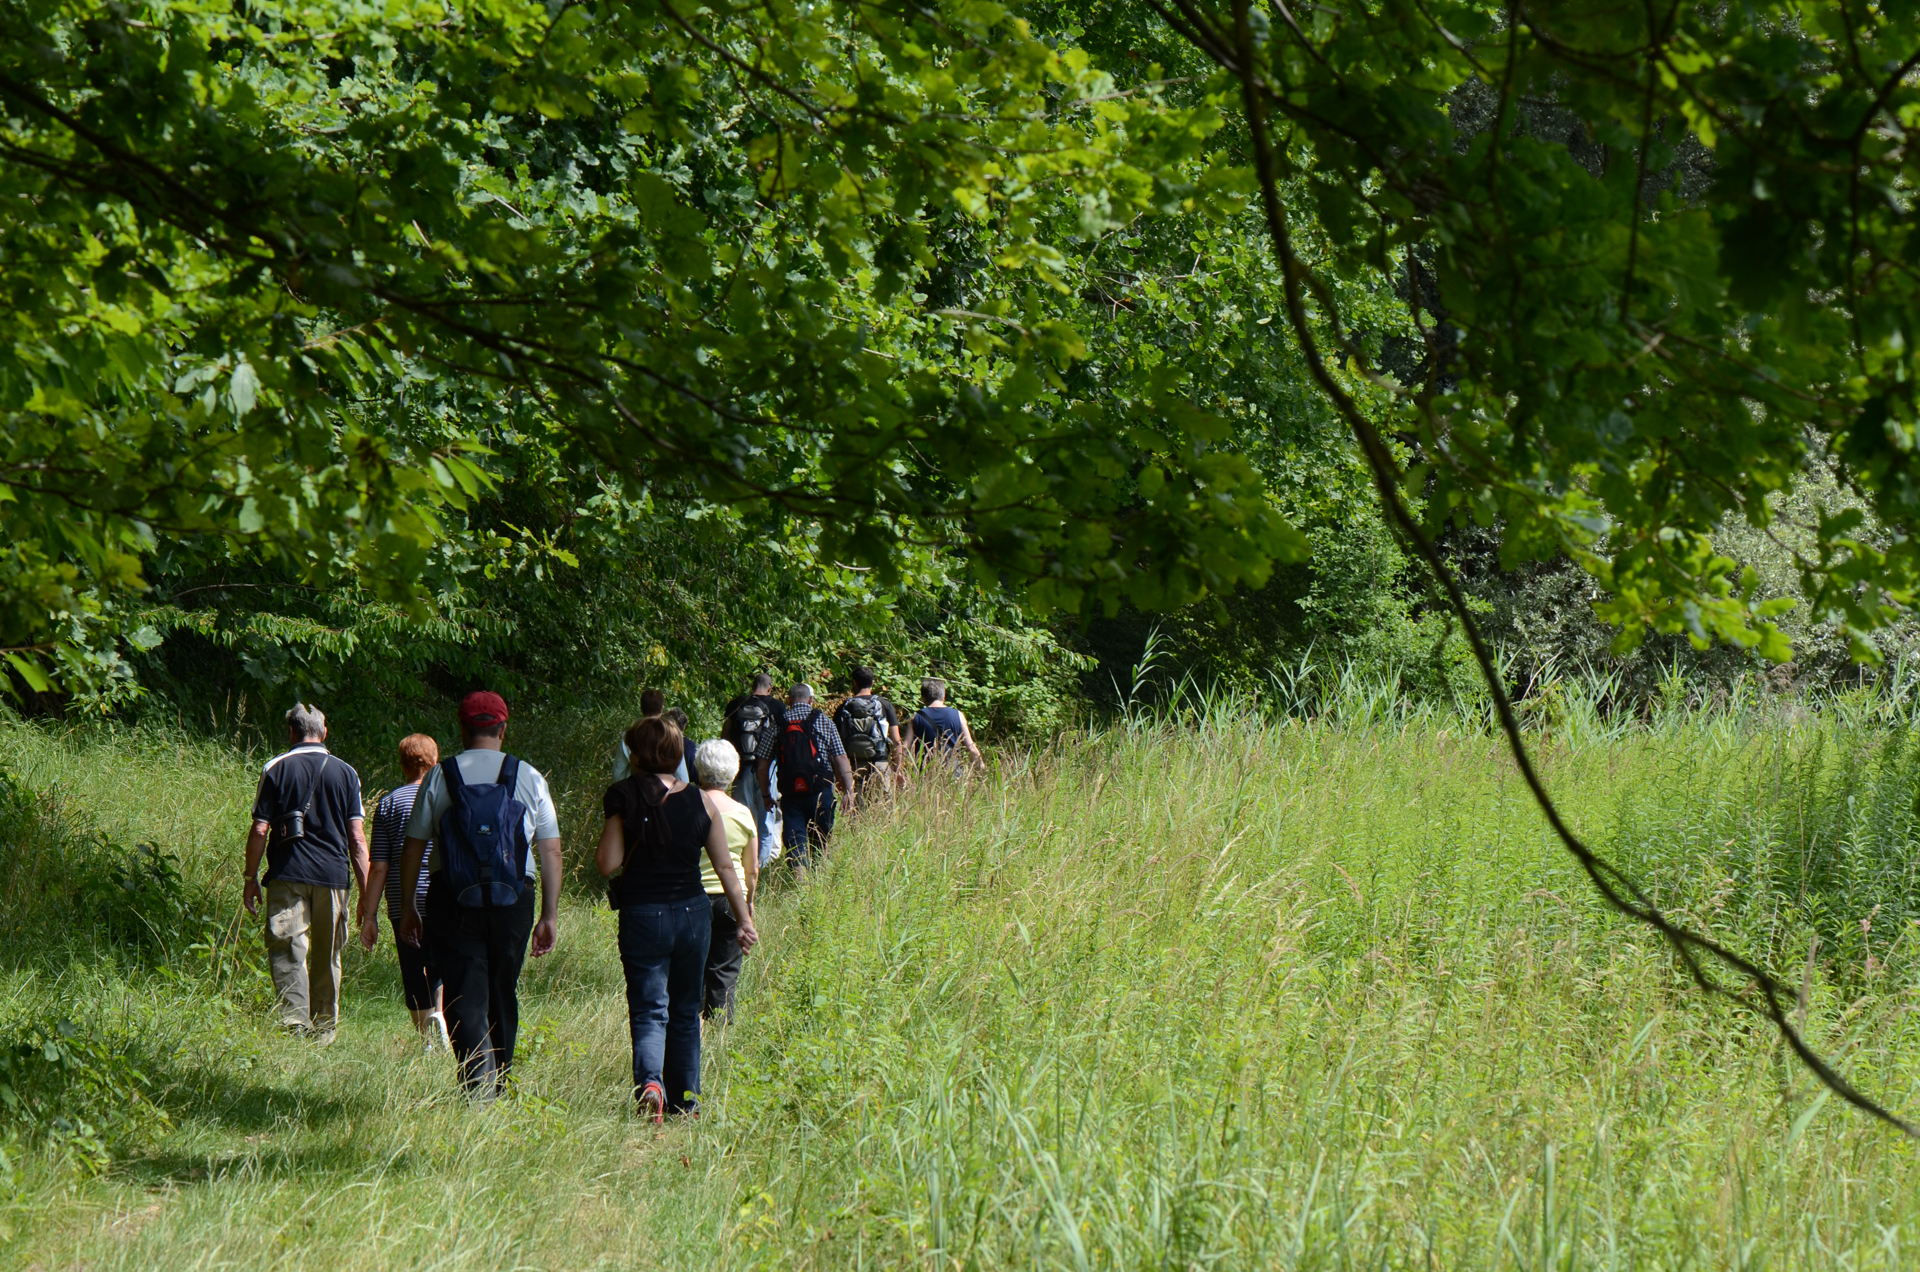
466,855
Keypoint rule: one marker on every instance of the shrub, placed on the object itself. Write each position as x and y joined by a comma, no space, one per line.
64,1087
138,897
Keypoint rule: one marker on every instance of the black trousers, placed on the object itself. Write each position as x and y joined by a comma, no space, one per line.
419,978
724,957
478,953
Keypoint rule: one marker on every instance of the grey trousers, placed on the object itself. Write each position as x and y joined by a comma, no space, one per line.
306,932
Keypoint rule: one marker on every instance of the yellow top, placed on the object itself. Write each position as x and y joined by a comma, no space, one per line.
739,823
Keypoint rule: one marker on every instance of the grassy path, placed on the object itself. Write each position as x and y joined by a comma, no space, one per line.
1291,999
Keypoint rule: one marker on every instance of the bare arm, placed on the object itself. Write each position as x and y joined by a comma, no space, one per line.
843,775
750,863
411,853
612,852
357,854
376,885
370,902
256,847
763,770
546,932
966,736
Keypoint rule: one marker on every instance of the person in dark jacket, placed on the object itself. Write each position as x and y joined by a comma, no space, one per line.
657,826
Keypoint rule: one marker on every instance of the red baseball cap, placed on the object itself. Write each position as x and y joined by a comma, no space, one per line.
483,707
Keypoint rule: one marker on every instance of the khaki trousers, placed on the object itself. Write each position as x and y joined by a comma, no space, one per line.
874,773
306,932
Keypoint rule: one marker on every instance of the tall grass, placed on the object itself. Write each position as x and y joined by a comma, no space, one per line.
1215,987
1314,997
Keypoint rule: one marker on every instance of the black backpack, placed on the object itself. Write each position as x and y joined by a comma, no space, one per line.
750,720
803,770
863,727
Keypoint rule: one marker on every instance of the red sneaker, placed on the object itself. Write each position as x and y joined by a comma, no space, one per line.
653,1102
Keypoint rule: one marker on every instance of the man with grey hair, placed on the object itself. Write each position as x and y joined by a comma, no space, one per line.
812,762
309,823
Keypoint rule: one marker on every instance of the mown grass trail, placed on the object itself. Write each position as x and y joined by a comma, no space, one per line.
1286,997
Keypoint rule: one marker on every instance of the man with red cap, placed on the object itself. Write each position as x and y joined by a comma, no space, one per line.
479,937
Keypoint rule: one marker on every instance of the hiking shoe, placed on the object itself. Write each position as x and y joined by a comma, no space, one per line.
653,1103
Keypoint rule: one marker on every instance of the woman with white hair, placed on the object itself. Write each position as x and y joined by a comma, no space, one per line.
715,765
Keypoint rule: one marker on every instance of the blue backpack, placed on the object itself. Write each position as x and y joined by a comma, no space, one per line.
484,838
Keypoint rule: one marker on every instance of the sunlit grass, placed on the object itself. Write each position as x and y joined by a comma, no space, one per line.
1232,995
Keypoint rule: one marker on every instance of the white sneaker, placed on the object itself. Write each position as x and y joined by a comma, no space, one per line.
439,1035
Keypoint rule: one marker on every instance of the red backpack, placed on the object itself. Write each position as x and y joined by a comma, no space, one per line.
803,770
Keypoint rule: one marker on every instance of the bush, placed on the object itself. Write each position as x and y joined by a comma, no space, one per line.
70,882
138,897
65,1088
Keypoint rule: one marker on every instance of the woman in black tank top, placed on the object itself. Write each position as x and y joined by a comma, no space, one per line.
657,827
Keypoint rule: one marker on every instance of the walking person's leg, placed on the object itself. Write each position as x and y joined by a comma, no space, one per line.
871,780
420,981
794,820
506,955
436,998
286,940
691,925
724,957
820,824
766,820
327,938
460,952
645,952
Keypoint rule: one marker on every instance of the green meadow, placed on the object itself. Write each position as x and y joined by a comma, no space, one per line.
1210,993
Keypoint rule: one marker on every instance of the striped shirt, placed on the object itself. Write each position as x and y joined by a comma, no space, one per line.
389,845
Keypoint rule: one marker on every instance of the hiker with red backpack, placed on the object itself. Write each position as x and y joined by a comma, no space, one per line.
496,839
812,762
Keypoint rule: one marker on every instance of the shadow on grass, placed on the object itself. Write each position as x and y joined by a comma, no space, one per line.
186,1169
226,1100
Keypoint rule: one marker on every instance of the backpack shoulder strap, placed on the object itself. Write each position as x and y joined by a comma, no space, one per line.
509,773
450,771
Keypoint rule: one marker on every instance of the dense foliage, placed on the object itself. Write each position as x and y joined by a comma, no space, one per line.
828,279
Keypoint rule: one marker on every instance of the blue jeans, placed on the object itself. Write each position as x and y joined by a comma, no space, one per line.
664,951
747,791
808,820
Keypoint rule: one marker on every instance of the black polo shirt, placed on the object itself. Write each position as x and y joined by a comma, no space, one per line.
320,856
